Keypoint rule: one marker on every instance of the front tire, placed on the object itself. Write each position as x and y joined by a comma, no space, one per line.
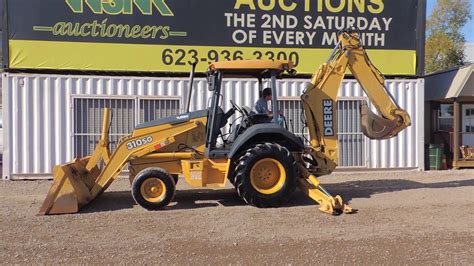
153,188
266,175
175,178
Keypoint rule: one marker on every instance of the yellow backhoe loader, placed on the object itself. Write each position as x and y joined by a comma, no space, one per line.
262,159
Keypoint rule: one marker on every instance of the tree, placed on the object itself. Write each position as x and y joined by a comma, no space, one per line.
444,41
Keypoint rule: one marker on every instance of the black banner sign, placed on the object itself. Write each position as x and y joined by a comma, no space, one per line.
169,35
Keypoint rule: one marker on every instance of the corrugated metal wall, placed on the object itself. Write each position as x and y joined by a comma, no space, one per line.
352,142
38,114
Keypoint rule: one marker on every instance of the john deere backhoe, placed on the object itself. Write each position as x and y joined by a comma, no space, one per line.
262,159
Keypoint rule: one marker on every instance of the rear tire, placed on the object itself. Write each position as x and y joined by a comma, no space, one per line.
266,175
153,188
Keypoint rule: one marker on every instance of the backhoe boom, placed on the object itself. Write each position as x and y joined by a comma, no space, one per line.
320,98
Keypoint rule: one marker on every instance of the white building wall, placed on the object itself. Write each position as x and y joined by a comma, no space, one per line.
469,52
37,114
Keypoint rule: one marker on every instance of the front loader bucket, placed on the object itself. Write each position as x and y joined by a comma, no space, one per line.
71,189
73,182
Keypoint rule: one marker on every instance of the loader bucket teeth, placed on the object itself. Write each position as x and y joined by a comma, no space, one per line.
71,188
60,199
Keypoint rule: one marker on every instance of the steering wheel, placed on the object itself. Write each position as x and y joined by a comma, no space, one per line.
246,110
237,108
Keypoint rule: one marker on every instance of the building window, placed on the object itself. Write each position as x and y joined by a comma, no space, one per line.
351,141
153,109
88,114
445,117
468,120
291,108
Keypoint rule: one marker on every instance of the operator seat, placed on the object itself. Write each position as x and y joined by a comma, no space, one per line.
221,121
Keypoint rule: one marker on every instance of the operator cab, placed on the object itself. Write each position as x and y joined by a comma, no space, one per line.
218,118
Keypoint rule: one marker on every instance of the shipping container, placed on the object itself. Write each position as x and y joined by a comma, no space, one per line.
51,119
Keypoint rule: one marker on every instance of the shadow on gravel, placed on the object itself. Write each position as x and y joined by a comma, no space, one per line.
199,198
367,188
203,198
184,199
110,201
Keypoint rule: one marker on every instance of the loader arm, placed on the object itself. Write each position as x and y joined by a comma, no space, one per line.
320,102
77,183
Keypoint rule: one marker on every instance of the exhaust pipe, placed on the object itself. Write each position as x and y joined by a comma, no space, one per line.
190,89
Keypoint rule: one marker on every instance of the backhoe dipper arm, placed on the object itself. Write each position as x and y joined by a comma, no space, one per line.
320,97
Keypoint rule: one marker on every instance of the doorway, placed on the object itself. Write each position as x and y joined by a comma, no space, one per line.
467,130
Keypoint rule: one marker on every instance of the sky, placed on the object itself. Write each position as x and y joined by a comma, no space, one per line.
468,30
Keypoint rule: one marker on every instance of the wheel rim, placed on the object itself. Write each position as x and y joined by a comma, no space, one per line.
267,176
153,189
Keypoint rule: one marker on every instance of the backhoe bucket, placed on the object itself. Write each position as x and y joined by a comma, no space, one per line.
74,181
377,127
71,188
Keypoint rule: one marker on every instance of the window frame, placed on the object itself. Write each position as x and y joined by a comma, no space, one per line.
440,117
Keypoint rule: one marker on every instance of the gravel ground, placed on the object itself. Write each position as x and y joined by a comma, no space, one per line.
404,218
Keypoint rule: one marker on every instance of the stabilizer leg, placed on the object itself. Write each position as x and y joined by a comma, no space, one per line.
329,204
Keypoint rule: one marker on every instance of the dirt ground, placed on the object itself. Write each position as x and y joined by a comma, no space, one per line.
404,218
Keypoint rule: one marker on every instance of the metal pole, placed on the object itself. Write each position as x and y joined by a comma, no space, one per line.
190,89
456,126
274,100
